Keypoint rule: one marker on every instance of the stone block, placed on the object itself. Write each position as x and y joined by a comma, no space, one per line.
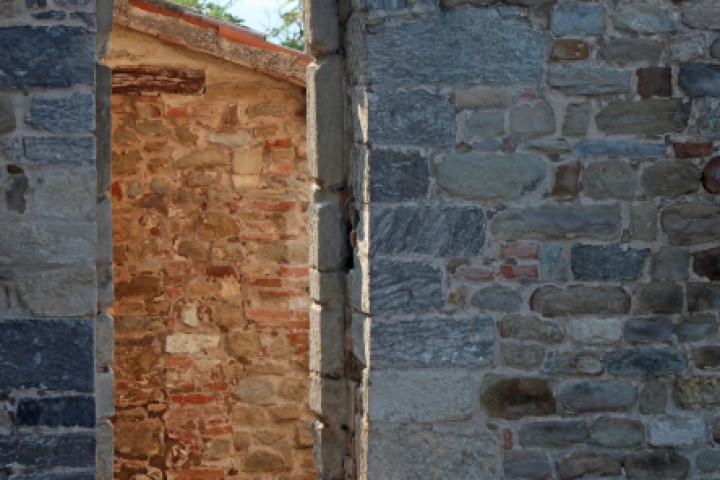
648,330
66,292
553,433
707,356
575,80
327,332
577,119
190,343
707,264
497,298
444,231
580,465
715,48
631,50
554,263
420,395
432,343
139,438
605,148
643,221
659,297
696,328
686,47
709,122
572,363
711,176
580,300
327,453
694,392
45,451
67,193
677,431
410,117
653,398
78,411
700,79
397,176
479,45
596,331
671,179
658,465
607,262
404,454
649,117
610,179
703,15
484,124
578,19
60,150
703,296
644,362
654,82
482,97
530,328
105,451
601,222
643,18
397,287
597,396
512,398
322,27
522,356
328,233
104,394
532,119
74,113
617,432
526,464
7,116
708,461
207,158
58,57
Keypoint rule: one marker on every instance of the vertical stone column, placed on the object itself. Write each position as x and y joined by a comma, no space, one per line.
54,241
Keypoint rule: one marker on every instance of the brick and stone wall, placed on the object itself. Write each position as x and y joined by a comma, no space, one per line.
210,192
536,233
55,381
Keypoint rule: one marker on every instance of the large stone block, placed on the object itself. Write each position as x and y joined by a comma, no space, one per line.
427,230
647,330
677,431
578,19
563,222
631,50
327,331
553,433
659,297
691,224
328,233
432,343
610,179
512,398
57,57
671,179
478,46
44,451
490,177
525,464
703,15
322,26
67,193
408,454
67,292
700,79
78,411
397,176
529,328
608,262
497,298
580,300
598,396
643,362
397,287
588,80
420,395
596,331
703,296
649,117
60,150
572,363
697,392
47,354
71,113
643,18
658,465
617,432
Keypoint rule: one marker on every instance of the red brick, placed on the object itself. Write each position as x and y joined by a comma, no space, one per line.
474,273
264,314
690,150
174,112
519,271
220,271
282,206
523,250
193,398
295,271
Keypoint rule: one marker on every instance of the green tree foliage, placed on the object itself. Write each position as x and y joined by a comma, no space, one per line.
212,9
290,31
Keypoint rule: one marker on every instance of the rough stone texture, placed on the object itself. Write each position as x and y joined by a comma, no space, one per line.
707,263
605,148
400,286
569,49
496,298
72,113
529,328
588,80
631,50
596,331
702,296
578,19
610,262
57,412
643,18
558,222
702,15
706,357
565,363
649,361
553,433
643,221
653,398
691,224
593,396
484,123
580,300
526,465
490,177
647,330
661,465
567,181
578,465
397,176
617,432
670,179
513,398
646,117
610,179
697,392
680,431
70,450
708,461
532,119
654,82
700,79
577,117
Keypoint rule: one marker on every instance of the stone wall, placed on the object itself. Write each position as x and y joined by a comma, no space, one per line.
536,236
210,195
55,381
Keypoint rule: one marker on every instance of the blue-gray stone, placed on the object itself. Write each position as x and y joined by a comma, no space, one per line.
414,117
436,343
703,296
577,118
589,465
47,354
703,14
617,432
588,80
526,465
655,116
43,451
397,176
715,48
643,18
691,224
671,179
578,19
631,50
659,297
700,79
553,433
490,176
709,461
66,150
620,148
537,118
530,328
656,465
57,57
653,397
484,124
386,4
574,363
397,287
560,222
427,230
709,123
597,396
697,328
580,300
479,45
496,298
607,262
610,179
77,411
646,330
645,362
554,264
73,113
54,476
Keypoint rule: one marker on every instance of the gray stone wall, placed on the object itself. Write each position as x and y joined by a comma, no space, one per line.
536,233
55,276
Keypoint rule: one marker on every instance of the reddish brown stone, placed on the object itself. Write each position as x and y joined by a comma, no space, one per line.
513,398
711,176
569,49
155,79
220,271
707,263
654,82
139,286
152,200
566,180
690,150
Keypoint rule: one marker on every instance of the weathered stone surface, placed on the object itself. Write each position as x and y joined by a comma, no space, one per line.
558,222
677,431
554,264
529,328
578,465
189,343
207,158
708,461
687,47
45,451
631,50
410,117
596,331
66,292
553,433
692,149
513,398
643,18
703,296
700,79
72,113
643,221
555,148
532,119
709,122
610,179
646,330
524,356
646,117
570,363
711,176
660,465
578,19
440,231
496,298
707,356
142,438
617,432
60,150
479,45
703,392
691,224
406,454
577,118
715,48
597,396
653,398
580,300
569,49
588,80
420,395
482,97
567,178
697,327
526,465
489,176
605,148
437,343
607,262
57,57
670,179
484,124
703,15
76,411
707,263
47,354
649,361
7,116
654,82
404,287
